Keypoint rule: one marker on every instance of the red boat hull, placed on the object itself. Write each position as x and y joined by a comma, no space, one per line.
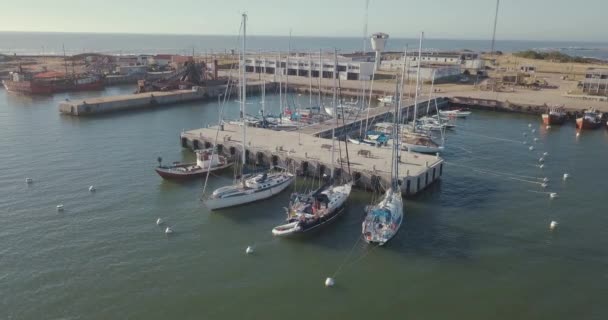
169,174
551,119
42,87
585,124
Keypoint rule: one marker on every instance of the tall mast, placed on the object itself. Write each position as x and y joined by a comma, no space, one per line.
264,91
287,75
495,23
310,79
397,126
65,60
244,92
333,105
320,75
418,80
364,82
280,89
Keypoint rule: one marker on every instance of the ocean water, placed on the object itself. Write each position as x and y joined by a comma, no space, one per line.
51,43
476,245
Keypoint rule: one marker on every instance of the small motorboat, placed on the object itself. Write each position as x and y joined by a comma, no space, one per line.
591,119
207,160
457,113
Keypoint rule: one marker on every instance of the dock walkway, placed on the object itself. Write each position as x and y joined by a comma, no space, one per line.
310,155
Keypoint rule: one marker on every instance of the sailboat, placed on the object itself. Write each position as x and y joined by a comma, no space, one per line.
383,220
416,141
310,211
249,188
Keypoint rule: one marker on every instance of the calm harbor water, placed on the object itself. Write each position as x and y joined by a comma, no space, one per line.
475,246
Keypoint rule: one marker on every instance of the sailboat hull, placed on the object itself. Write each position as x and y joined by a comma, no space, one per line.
376,232
421,148
246,195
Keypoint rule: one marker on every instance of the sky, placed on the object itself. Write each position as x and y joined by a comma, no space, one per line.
582,20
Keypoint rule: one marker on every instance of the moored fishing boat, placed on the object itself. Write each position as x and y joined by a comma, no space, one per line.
591,119
206,161
554,116
50,82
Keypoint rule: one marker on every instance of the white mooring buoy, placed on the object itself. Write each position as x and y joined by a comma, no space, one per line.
28,180
168,230
535,139
548,127
533,130
541,159
566,176
578,134
553,225
529,125
91,189
552,195
60,207
541,166
531,148
330,282
249,250
545,154
159,221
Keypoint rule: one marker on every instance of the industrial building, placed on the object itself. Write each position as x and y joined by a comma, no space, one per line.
316,66
445,64
596,81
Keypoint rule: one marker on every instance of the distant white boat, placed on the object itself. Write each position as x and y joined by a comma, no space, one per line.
387,99
455,113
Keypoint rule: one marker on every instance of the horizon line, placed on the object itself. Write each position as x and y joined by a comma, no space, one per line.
294,36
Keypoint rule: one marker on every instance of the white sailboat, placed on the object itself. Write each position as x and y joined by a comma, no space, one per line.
310,211
458,113
384,219
249,188
415,141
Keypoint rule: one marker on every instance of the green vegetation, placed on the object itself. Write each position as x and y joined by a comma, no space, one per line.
552,56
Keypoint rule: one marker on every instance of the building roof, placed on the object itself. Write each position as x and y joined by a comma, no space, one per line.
597,70
163,56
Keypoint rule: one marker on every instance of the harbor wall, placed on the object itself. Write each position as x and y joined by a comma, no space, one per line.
507,106
101,105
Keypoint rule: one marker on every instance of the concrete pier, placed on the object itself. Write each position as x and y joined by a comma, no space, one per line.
94,106
311,156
